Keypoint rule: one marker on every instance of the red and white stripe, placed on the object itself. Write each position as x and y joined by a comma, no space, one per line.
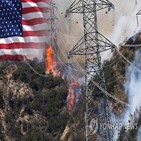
35,32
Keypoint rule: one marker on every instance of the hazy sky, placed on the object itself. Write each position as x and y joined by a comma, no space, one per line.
117,25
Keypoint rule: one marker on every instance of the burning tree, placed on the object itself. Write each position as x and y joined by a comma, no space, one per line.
50,62
72,95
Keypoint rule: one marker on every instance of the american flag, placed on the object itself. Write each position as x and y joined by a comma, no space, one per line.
23,28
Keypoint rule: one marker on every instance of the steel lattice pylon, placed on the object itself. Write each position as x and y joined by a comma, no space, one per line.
52,19
92,44
52,22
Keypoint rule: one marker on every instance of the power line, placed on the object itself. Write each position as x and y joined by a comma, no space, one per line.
46,76
91,45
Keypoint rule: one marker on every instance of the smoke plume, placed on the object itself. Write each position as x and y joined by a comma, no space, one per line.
139,134
133,85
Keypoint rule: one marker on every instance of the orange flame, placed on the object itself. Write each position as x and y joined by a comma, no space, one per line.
71,95
71,102
50,62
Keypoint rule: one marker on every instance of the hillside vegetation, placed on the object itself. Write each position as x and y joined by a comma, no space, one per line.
32,108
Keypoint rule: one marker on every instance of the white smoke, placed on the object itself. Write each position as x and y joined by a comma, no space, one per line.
126,23
133,85
132,90
139,134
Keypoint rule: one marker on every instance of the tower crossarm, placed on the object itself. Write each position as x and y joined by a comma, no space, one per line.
80,48
77,6
139,13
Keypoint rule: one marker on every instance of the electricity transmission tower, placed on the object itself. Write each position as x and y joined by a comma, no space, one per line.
52,22
92,44
52,19
138,14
